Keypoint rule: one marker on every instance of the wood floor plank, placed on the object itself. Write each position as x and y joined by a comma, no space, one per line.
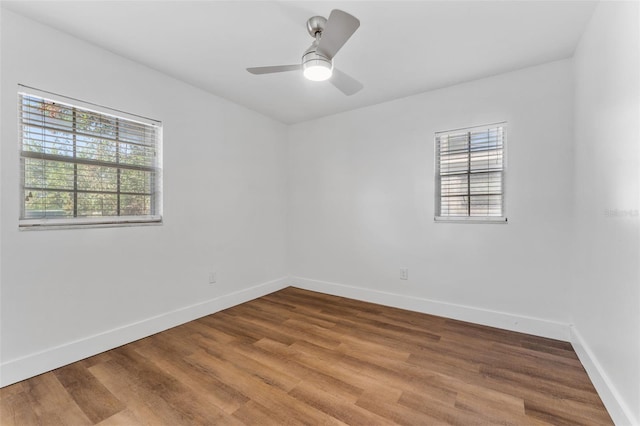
284,357
296,357
16,409
397,413
190,407
374,352
272,376
51,403
565,412
125,418
443,413
88,393
361,373
149,408
253,413
556,389
200,326
521,354
285,311
256,329
492,406
334,406
254,387
217,393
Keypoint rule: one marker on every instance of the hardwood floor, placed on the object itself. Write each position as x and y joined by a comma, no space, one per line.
298,357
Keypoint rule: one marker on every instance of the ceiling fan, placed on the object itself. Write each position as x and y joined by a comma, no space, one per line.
317,61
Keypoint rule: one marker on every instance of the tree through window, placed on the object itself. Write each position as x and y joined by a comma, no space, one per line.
80,166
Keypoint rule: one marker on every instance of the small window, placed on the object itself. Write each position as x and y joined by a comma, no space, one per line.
470,174
86,166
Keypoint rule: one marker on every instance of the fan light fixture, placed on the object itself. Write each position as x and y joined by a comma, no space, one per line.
317,70
316,67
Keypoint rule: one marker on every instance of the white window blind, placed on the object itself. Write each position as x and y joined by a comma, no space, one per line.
470,174
82,167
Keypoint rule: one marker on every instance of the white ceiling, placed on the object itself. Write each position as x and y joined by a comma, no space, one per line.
401,47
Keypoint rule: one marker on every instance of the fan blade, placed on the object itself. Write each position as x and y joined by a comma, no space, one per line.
345,83
276,68
340,27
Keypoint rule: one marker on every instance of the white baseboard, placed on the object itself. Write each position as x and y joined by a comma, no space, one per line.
503,320
37,363
620,413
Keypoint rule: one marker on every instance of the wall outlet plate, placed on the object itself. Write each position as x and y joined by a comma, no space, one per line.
404,273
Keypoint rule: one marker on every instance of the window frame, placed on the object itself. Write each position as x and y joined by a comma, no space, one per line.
502,219
155,216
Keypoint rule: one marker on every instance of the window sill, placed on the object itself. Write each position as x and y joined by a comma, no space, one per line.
83,223
466,219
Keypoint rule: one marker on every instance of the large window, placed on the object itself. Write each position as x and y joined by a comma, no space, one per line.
470,174
86,166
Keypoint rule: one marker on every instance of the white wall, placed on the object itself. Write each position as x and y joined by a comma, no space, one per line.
224,201
361,204
606,288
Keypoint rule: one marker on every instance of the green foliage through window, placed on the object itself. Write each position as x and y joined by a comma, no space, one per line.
78,163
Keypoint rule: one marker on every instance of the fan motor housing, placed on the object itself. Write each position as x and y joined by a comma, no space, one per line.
311,57
316,25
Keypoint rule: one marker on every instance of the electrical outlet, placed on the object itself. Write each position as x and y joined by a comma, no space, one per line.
213,276
404,273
